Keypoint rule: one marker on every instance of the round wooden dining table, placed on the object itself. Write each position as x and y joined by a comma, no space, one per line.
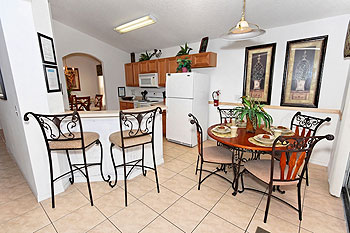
240,144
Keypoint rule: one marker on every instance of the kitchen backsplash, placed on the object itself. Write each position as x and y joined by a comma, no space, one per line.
152,92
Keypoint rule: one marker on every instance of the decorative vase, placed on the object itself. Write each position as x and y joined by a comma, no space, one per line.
184,69
250,127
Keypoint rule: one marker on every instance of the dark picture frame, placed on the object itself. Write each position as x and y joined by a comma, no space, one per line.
204,45
3,95
347,43
121,92
72,79
47,49
258,72
303,72
52,78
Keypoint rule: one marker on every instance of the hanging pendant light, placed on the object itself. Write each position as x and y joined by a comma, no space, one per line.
243,31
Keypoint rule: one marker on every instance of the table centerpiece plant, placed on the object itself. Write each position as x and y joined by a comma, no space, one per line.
254,112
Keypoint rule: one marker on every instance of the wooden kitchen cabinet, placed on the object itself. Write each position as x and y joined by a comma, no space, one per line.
135,71
123,105
172,64
153,66
200,60
164,122
143,67
162,70
129,77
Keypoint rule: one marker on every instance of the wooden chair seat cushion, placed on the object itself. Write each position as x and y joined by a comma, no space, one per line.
89,137
116,139
261,169
217,154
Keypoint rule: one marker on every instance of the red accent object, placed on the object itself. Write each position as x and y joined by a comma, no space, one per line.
184,69
216,102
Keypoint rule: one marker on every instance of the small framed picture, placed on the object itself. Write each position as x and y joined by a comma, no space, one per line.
347,43
258,72
47,49
52,79
121,91
2,88
303,72
204,45
72,79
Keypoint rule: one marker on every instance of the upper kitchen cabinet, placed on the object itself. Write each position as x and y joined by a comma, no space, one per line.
152,66
171,64
135,70
201,60
143,67
162,70
129,76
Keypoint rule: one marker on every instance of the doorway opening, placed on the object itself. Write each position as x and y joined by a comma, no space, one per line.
84,82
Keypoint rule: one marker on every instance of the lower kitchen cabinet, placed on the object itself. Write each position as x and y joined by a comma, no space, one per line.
124,105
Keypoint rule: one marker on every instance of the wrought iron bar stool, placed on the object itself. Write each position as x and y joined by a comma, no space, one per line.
308,125
64,132
213,154
279,171
136,129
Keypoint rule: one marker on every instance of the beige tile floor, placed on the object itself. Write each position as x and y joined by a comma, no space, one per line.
179,207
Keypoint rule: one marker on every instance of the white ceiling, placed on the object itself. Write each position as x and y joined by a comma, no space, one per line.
181,21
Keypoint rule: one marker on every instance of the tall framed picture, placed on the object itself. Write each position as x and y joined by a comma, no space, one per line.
347,43
204,45
72,79
47,49
303,72
2,88
258,72
51,78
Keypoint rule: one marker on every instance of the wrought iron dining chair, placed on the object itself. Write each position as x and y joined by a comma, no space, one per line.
213,154
226,113
278,171
136,129
305,125
64,132
98,102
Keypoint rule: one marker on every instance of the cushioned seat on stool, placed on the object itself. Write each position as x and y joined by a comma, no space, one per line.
89,137
116,139
217,154
261,169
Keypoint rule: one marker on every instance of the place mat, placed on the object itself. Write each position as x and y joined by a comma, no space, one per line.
238,126
224,135
253,141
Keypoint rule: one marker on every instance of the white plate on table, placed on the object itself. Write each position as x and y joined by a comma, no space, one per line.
221,129
264,138
281,130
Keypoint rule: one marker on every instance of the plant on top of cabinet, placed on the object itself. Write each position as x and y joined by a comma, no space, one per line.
184,65
184,50
147,56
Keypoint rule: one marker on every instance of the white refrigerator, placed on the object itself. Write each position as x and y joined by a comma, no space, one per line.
186,93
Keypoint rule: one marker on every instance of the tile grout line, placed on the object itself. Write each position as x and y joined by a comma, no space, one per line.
54,227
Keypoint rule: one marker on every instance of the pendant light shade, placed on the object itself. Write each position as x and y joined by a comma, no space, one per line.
243,31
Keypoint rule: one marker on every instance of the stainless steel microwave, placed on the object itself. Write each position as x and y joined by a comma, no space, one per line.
148,80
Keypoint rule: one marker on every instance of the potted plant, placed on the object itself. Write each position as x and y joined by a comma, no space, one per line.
184,65
184,50
254,112
147,56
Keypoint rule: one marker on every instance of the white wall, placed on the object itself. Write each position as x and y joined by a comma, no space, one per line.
87,74
69,40
228,75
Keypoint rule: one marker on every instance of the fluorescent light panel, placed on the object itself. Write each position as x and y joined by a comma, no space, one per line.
136,24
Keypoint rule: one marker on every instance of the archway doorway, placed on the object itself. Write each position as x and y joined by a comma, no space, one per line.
84,78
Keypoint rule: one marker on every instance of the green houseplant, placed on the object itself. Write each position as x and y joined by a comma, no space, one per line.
254,113
184,65
184,50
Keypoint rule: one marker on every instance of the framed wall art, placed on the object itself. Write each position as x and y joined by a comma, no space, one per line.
347,43
72,79
3,95
258,72
303,72
51,78
47,49
121,91
204,45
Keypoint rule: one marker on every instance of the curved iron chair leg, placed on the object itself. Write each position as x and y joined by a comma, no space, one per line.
87,178
307,175
197,165
268,203
98,142
125,177
71,179
115,169
299,202
144,172
155,166
51,181
200,175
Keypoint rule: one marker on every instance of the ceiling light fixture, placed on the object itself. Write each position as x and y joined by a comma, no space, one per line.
136,24
242,31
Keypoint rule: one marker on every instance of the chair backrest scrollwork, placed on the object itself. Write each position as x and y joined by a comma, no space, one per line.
305,126
194,121
226,114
